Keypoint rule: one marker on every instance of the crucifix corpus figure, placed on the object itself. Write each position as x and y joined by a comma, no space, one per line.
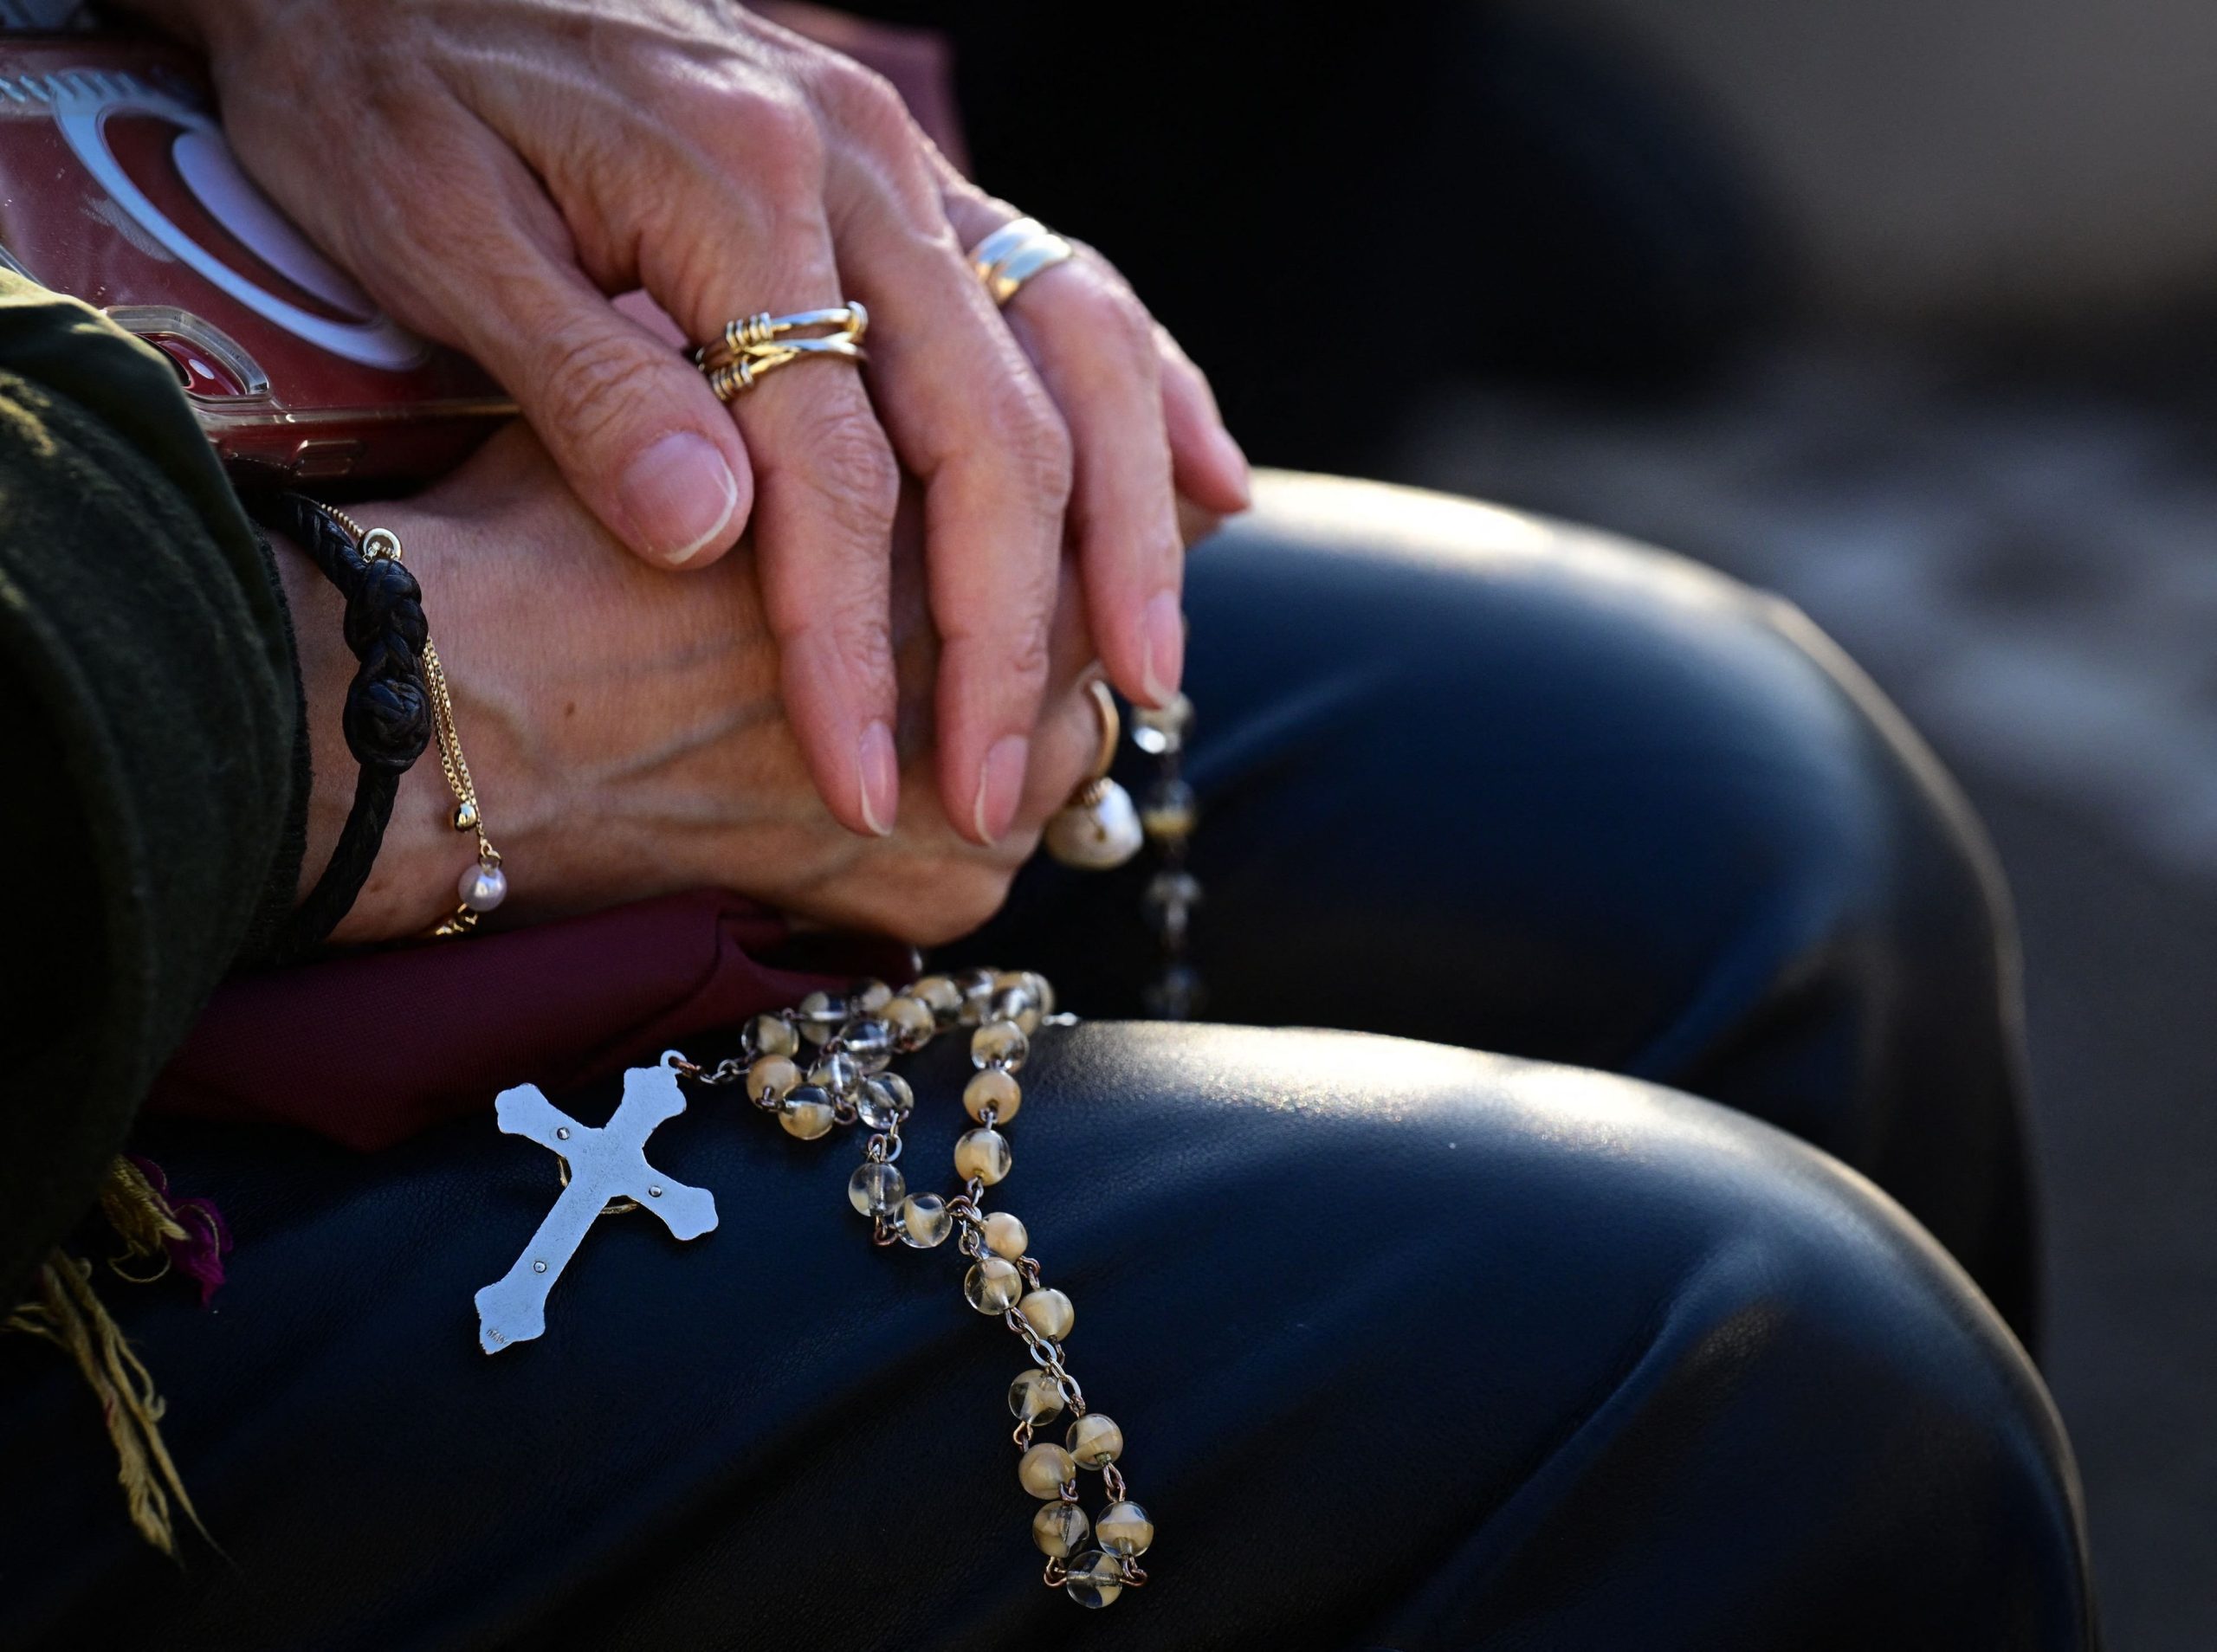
609,1163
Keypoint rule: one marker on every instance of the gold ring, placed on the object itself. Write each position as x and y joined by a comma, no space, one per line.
755,345
1112,729
1016,252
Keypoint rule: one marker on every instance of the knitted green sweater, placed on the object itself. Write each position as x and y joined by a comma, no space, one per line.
151,781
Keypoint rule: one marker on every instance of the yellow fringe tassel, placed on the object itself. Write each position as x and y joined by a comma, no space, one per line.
140,1216
66,1312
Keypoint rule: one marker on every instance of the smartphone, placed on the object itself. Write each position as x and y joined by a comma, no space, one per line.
116,187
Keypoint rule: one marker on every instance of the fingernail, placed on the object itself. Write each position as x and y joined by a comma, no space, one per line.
1000,787
679,495
1163,633
1230,455
879,773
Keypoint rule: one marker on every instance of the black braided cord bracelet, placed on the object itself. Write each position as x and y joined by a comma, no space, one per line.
388,715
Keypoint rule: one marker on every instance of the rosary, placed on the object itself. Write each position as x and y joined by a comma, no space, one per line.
848,1043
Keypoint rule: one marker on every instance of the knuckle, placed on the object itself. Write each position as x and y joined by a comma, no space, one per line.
1110,312
593,380
864,103
777,139
1034,440
852,621
866,113
1011,645
1031,649
857,461
1029,655
847,465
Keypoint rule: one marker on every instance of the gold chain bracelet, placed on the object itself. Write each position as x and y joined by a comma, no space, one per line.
483,885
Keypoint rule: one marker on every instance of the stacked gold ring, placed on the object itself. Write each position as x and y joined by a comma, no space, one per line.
1016,252
755,345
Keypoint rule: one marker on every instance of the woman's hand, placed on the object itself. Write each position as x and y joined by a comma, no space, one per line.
491,170
625,733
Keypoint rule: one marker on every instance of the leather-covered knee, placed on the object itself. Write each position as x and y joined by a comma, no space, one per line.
1602,1364
1630,813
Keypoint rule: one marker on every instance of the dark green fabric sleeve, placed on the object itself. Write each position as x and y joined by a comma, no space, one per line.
150,780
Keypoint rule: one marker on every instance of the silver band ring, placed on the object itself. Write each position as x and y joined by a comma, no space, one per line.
1015,253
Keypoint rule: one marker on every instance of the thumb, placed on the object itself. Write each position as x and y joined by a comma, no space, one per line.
638,433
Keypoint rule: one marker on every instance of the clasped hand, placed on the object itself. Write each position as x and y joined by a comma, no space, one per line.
624,730
494,169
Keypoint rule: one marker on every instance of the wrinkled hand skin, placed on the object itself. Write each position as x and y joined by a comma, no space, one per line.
492,170
626,730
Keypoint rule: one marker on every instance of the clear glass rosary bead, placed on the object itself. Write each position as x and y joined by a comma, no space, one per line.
876,1188
911,1021
885,1100
867,998
1042,991
1017,1005
1000,1043
1034,1397
940,995
993,1284
771,1036
924,1221
1168,812
807,1112
819,1015
1059,1529
1160,732
771,1079
995,1088
984,1155
1045,1470
868,1044
1174,994
1095,1441
1168,891
839,1073
1125,1529
1005,1236
1094,1579
1047,1311
976,987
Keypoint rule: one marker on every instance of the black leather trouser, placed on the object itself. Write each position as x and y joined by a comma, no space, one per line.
1413,1347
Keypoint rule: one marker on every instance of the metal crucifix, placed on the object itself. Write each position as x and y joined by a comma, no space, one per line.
605,1163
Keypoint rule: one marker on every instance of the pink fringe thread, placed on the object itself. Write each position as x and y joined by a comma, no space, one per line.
199,1256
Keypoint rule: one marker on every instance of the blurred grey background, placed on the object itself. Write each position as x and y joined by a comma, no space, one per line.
1973,437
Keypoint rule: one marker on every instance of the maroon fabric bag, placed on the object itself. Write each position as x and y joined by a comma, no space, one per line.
369,1048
